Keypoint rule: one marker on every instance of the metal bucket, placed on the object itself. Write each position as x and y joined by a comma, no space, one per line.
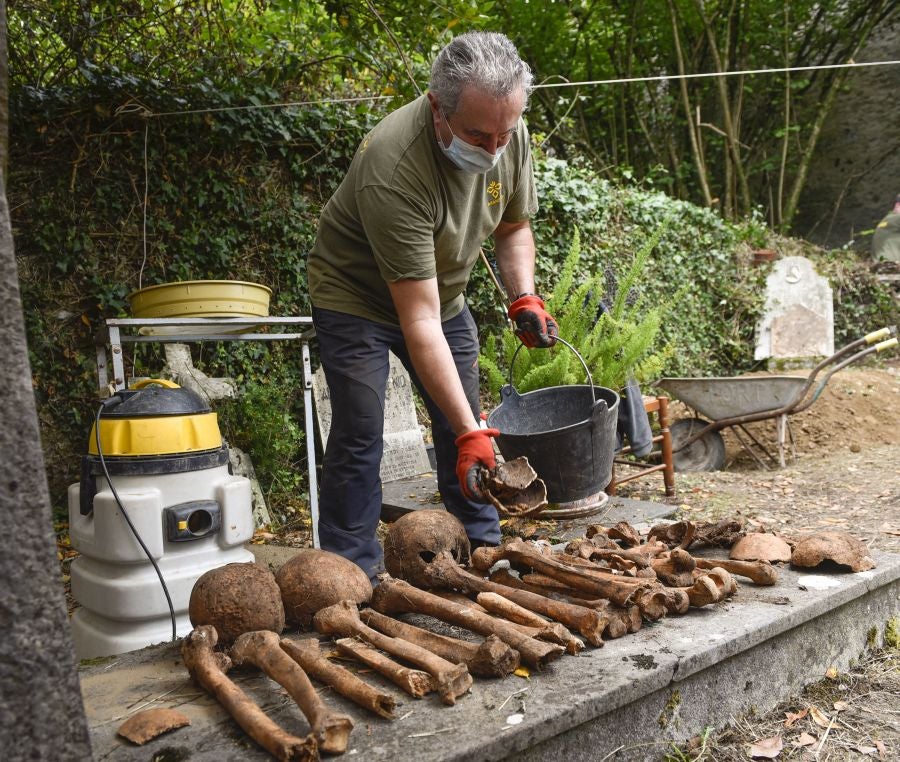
568,434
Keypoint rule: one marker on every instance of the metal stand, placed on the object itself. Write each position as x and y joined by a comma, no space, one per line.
186,330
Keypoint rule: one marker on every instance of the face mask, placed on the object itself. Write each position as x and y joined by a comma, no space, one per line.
467,157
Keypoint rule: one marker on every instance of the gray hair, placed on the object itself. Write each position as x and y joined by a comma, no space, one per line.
487,61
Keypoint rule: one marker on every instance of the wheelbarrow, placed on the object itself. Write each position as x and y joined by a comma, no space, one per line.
732,402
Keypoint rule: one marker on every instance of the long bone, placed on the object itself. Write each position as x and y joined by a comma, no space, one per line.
450,680
497,604
445,572
520,553
652,600
308,655
393,596
491,658
619,621
263,649
415,682
208,668
529,623
760,572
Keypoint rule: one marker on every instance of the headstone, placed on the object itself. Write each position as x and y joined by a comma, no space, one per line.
404,449
798,319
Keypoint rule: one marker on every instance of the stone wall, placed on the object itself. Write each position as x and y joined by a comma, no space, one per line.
855,174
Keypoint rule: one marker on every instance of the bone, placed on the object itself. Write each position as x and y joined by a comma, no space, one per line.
208,668
703,592
648,595
394,596
263,649
674,570
760,572
445,572
520,553
678,535
491,658
308,655
722,534
616,627
723,580
415,682
551,631
450,680
625,534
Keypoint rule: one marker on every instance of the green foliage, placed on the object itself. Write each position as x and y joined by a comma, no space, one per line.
700,266
236,193
615,346
263,420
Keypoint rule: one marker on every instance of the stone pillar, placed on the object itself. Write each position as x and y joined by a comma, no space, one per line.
41,711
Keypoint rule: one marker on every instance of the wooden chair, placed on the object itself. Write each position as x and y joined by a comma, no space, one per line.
660,407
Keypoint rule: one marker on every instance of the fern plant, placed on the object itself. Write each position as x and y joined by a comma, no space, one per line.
617,340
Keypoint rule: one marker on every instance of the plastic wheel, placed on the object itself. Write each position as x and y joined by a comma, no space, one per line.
704,454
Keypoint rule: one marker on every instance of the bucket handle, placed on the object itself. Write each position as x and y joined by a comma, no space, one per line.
577,354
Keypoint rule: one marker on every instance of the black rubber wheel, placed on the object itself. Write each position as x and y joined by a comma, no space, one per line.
704,454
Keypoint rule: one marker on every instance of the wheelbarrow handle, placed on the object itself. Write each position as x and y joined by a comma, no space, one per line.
879,347
882,333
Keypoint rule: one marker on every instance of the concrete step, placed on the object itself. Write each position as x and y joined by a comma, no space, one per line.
629,699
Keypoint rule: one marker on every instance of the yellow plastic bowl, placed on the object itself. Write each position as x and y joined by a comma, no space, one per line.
200,298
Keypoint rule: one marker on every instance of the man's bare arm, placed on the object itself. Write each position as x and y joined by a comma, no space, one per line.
514,249
419,309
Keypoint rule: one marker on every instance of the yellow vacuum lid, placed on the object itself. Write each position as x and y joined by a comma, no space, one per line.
156,417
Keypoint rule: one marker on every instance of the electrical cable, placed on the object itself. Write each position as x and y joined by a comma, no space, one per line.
103,405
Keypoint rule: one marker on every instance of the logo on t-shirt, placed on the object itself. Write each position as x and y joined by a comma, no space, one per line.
495,191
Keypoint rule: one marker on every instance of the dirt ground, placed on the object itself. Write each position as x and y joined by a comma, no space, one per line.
846,476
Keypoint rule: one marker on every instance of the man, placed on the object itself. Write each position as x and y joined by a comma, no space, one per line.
886,239
395,247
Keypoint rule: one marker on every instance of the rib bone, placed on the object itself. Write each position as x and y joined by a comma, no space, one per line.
208,668
450,680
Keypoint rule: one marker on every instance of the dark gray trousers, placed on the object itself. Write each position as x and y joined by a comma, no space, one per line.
354,355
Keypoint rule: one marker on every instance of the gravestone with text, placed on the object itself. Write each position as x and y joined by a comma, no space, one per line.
797,325
404,449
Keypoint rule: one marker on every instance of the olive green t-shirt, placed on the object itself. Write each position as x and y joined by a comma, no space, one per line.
404,211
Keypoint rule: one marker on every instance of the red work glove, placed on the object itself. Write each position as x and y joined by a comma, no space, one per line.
475,451
534,325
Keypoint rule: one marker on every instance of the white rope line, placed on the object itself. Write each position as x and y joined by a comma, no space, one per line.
545,85
743,72
289,104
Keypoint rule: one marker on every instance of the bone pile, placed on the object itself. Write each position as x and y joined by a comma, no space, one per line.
540,604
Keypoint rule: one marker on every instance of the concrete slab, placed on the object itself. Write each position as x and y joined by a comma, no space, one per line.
632,697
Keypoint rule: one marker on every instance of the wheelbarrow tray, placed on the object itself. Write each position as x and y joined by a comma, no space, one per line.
731,397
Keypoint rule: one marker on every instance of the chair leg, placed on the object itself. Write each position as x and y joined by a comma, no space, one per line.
666,446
